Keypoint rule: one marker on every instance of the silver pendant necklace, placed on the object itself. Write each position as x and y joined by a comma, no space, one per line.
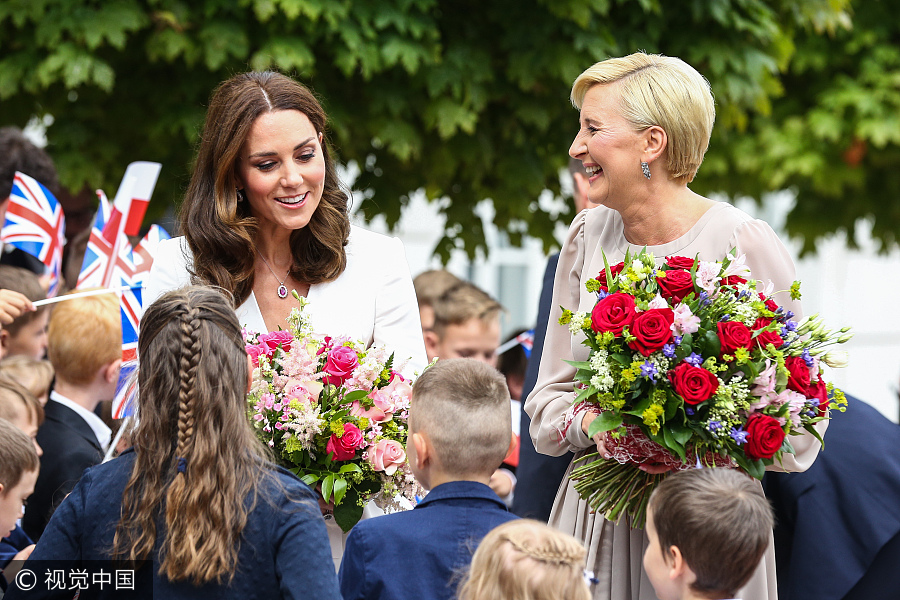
282,289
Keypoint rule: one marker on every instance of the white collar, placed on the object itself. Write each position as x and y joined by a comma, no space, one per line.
101,431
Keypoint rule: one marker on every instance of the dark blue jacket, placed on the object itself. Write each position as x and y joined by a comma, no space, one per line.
417,554
538,475
284,551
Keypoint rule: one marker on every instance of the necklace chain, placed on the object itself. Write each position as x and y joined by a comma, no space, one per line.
282,289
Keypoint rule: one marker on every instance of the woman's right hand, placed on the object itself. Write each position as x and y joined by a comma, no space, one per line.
599,438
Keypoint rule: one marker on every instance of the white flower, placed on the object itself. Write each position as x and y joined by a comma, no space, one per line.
707,275
658,302
836,359
738,267
685,321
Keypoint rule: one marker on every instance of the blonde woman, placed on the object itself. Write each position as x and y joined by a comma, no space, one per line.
195,508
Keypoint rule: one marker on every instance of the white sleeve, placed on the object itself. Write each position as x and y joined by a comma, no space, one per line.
397,324
169,270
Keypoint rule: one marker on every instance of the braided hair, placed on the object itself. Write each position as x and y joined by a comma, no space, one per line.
526,560
197,460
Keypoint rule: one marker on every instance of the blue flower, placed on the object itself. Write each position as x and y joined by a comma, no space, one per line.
807,358
669,350
690,411
714,425
694,359
677,339
602,294
791,325
725,317
789,315
648,370
743,294
738,435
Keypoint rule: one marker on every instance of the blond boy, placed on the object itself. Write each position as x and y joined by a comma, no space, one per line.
459,432
430,285
466,325
707,531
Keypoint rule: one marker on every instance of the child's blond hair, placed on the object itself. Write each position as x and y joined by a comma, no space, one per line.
35,375
15,399
462,405
463,302
17,456
526,560
85,334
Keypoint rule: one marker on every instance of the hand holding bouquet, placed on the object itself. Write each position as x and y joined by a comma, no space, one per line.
334,412
692,364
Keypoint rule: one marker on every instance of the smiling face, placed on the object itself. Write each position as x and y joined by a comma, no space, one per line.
282,170
608,147
12,501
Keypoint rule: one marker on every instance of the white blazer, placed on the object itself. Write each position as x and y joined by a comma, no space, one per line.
373,300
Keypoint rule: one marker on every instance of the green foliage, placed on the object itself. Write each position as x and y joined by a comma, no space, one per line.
468,100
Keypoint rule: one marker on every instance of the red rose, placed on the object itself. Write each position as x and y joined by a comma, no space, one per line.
818,391
798,374
770,304
680,262
614,313
734,335
615,270
339,365
732,280
344,447
694,384
675,285
761,323
769,337
653,330
764,436
273,339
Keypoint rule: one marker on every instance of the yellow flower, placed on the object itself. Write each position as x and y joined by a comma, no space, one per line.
566,317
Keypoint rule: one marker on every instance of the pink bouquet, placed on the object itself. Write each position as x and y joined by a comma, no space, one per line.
334,412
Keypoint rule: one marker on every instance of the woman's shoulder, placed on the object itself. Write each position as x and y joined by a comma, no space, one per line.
363,241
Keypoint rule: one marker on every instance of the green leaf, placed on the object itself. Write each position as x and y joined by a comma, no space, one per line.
308,479
348,513
340,488
604,422
355,395
350,468
327,487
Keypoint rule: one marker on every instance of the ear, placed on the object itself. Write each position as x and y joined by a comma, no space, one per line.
4,341
655,142
111,371
675,560
321,138
423,450
1,490
432,344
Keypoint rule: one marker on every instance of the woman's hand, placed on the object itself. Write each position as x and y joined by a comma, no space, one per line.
599,439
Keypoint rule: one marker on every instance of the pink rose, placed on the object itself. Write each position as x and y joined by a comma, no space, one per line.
398,386
345,446
276,338
340,364
382,409
255,351
387,456
299,392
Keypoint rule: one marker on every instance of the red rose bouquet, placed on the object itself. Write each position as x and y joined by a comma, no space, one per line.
334,412
692,364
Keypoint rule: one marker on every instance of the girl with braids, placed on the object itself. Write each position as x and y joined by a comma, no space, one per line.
264,215
195,507
526,560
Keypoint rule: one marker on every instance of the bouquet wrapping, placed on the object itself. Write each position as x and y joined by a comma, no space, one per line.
692,364
333,412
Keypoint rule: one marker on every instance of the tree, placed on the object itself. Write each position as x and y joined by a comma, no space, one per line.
465,100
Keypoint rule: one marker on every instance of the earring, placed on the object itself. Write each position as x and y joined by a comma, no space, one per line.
645,169
240,195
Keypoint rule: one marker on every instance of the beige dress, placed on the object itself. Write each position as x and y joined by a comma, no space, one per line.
615,552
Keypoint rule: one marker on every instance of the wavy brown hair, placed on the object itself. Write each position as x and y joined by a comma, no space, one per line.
197,459
221,231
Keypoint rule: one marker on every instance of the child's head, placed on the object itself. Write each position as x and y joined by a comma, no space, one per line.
466,325
19,466
708,530
526,559
459,422
27,334
21,409
85,341
35,375
429,286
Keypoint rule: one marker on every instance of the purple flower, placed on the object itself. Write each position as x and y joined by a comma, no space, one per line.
669,350
694,359
738,435
791,325
690,411
744,294
602,294
789,315
677,339
714,425
725,317
807,358
648,370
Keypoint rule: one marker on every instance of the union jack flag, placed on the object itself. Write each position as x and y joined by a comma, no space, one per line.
35,224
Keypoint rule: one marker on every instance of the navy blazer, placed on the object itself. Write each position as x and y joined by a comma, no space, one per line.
70,446
417,554
284,551
538,475
837,527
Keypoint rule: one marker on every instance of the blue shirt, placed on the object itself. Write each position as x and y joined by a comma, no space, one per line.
420,553
284,550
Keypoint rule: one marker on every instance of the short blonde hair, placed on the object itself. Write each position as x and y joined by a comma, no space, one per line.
12,396
463,302
526,559
35,375
663,91
429,285
462,405
84,335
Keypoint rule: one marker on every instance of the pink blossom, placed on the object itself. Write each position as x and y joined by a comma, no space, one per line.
738,267
707,276
658,302
340,364
387,456
300,393
277,338
685,321
255,351
764,386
